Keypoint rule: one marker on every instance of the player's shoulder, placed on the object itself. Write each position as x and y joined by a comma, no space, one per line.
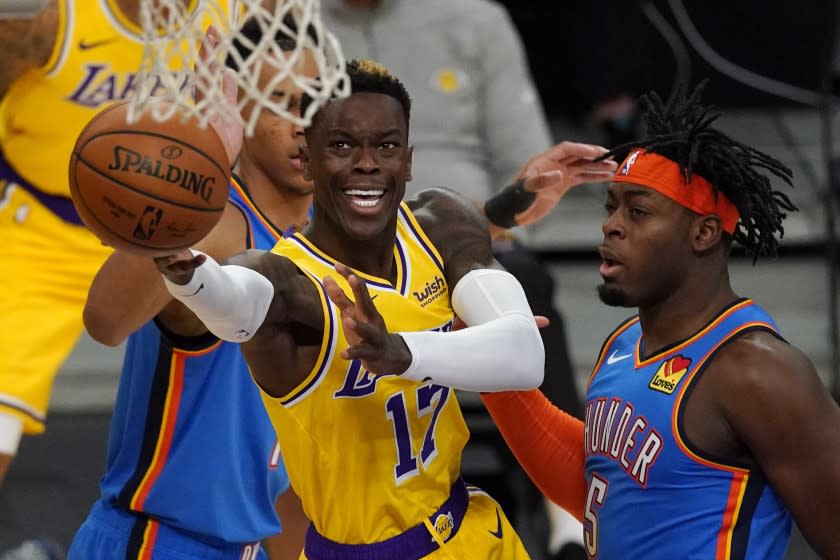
761,361
439,205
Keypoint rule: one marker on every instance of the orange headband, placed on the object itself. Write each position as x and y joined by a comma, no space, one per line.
665,176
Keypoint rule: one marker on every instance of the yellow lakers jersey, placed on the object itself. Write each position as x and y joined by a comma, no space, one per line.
371,456
94,62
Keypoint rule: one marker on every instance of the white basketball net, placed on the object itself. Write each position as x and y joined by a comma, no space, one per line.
172,33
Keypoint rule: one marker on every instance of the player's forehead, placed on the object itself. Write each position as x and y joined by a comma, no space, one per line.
367,112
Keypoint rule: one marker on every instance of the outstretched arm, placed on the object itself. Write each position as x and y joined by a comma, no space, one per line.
128,291
542,182
546,441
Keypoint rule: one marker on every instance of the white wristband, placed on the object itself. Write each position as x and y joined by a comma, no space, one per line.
481,358
232,301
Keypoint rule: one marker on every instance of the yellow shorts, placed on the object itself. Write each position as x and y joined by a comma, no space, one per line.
46,268
485,534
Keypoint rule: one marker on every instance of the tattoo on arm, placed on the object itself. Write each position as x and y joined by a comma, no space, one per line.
458,230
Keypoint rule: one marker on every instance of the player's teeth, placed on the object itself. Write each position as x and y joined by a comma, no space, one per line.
360,192
366,203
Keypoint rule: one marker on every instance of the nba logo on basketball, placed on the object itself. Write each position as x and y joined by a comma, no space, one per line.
628,163
148,223
669,374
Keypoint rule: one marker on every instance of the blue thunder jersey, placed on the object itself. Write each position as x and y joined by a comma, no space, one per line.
191,444
651,494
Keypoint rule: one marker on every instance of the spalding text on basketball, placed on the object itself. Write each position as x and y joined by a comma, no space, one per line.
126,159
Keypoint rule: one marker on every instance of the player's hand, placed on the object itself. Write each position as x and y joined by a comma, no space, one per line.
179,267
368,338
228,129
550,174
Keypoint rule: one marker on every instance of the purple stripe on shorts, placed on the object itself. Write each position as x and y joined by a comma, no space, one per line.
410,545
59,205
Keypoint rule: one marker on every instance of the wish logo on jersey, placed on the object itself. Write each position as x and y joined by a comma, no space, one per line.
669,374
431,291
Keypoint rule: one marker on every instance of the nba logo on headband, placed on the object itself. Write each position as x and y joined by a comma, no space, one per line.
628,163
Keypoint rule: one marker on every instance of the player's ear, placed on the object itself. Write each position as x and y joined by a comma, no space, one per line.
305,169
706,233
408,164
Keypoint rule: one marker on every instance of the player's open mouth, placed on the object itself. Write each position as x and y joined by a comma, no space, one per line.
365,198
610,266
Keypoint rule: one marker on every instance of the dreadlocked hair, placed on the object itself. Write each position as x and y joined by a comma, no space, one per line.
372,77
680,131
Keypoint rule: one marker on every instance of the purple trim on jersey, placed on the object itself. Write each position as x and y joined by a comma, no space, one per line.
404,283
331,263
420,239
326,361
59,205
410,545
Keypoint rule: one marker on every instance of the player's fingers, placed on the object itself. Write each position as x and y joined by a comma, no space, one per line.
575,149
205,65
369,333
337,295
544,180
363,300
541,321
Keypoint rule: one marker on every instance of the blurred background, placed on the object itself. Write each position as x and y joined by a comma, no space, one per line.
773,68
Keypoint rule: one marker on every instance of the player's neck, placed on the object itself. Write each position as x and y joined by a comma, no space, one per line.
374,257
683,314
282,205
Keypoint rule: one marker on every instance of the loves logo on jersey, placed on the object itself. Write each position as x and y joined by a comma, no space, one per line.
669,374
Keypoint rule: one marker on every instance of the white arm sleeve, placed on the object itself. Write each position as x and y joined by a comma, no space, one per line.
231,300
503,352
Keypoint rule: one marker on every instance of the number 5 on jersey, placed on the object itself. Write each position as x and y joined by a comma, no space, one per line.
594,497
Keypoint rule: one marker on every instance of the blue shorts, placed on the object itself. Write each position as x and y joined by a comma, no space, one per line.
109,533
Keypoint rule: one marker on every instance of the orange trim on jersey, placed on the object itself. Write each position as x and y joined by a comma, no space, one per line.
149,538
243,194
170,415
199,352
616,333
730,515
678,402
63,36
691,340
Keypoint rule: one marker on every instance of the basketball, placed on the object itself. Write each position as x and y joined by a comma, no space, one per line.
148,188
